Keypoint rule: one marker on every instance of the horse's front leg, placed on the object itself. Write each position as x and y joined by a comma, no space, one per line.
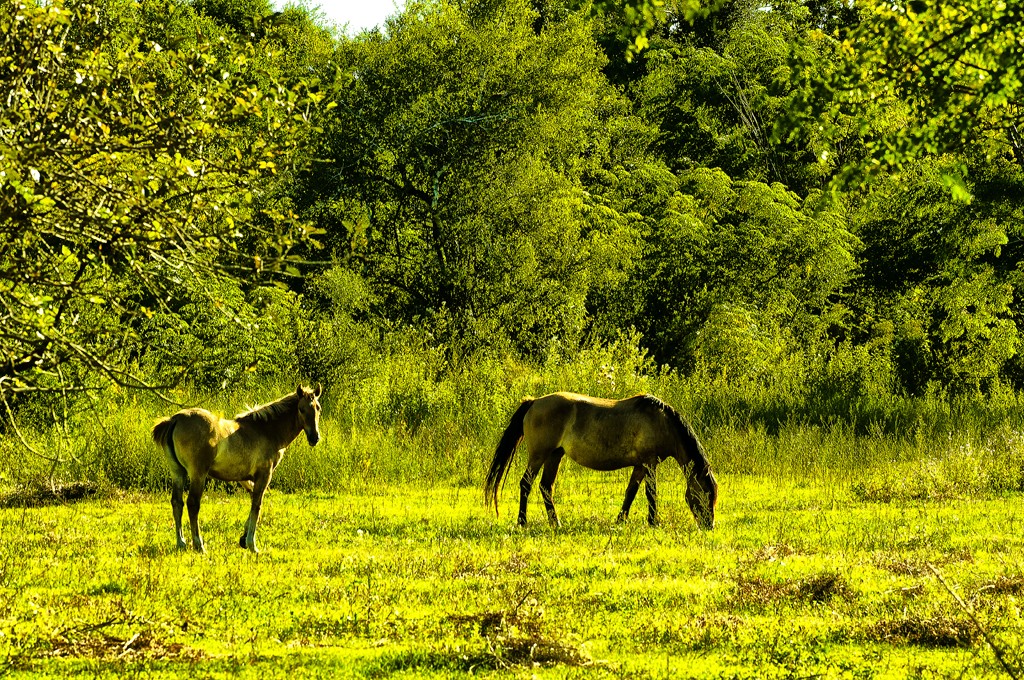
259,486
639,472
248,486
195,495
547,481
651,487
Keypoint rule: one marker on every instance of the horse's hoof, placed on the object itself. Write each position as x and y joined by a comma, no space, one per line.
182,545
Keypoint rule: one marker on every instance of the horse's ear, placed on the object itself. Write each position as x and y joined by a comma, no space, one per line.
298,389
319,389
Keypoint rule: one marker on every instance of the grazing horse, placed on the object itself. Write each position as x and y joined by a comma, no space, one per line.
199,445
604,434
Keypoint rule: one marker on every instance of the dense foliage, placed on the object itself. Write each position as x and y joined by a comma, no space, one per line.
813,193
799,222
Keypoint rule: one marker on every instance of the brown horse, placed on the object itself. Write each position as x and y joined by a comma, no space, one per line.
604,434
199,445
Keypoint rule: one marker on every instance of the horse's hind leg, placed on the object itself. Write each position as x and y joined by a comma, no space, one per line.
547,481
539,455
177,505
525,485
651,487
639,472
248,540
195,495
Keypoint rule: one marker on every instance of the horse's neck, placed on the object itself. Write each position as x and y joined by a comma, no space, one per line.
284,426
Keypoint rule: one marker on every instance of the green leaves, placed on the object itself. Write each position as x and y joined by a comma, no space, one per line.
458,136
715,98
742,262
128,171
474,170
953,67
941,272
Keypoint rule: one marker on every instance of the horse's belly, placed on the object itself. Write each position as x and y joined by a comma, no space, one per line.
232,475
602,455
233,462
602,465
232,471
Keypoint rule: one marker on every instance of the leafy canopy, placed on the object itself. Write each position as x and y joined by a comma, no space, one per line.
128,171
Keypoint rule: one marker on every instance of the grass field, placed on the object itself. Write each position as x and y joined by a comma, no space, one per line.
846,534
797,580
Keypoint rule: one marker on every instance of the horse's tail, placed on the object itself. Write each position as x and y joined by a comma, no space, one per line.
163,436
503,454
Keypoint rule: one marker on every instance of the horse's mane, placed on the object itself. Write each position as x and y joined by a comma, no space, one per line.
271,411
685,432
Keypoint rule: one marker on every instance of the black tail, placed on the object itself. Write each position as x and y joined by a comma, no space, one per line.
503,454
163,436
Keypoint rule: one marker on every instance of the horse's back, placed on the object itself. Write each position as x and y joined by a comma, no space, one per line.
603,434
195,424
566,405
228,449
194,434
576,398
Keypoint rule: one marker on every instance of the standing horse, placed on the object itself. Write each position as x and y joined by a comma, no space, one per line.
604,434
199,444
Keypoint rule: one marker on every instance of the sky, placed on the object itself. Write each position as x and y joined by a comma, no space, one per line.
359,14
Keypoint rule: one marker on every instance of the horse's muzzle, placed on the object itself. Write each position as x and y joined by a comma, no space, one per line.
313,438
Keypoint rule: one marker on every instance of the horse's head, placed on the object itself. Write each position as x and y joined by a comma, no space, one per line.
701,486
702,495
309,412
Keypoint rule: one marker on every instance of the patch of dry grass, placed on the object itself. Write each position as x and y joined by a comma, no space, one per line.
42,494
821,587
940,630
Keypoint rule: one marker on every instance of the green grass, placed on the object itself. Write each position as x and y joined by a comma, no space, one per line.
798,579
380,559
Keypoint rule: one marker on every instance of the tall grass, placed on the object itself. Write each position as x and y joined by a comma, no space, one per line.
416,414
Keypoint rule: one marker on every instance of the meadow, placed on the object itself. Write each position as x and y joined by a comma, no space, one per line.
404,580
883,546
753,211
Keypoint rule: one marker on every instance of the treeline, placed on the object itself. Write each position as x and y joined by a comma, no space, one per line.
818,196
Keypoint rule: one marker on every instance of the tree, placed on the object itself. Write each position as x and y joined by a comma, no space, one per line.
745,254
716,87
628,26
947,75
453,178
939,276
128,173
